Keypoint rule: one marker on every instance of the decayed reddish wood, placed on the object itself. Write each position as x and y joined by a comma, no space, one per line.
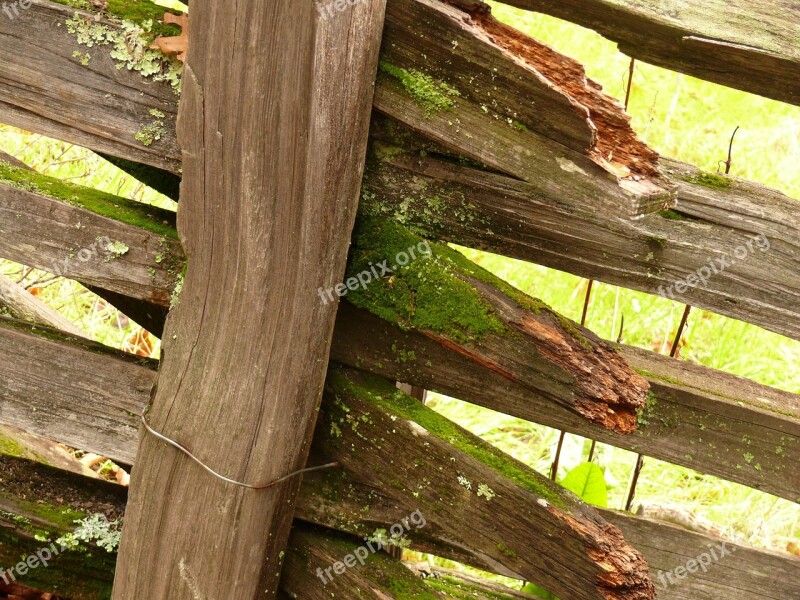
495,327
697,417
514,105
268,201
751,45
475,495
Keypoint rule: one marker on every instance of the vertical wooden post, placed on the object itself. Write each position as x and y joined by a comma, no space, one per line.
273,125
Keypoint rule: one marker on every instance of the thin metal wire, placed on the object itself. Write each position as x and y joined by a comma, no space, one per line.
260,486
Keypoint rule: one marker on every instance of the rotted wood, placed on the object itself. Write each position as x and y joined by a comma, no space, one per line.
268,200
39,505
487,92
478,497
750,45
51,84
460,83
359,504
463,308
739,235
96,238
697,417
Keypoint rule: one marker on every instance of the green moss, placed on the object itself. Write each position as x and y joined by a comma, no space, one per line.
427,293
376,391
674,215
150,133
433,97
11,447
136,11
710,180
107,205
456,589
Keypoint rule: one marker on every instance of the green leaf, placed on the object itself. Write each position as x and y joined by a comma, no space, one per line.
589,483
535,590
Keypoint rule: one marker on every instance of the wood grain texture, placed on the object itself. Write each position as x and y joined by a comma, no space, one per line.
714,227
46,89
61,237
356,503
27,307
750,45
699,418
512,104
71,390
480,498
268,201
328,498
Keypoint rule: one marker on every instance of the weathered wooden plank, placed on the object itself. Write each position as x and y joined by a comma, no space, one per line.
328,498
697,417
71,390
741,237
96,238
750,45
268,199
27,307
485,91
437,292
54,85
359,501
566,122
480,498
39,505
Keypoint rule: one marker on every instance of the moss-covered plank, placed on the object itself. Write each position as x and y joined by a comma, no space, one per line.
73,74
701,418
728,246
68,521
478,497
93,237
750,45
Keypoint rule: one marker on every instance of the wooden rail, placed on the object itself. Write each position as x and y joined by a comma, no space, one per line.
750,45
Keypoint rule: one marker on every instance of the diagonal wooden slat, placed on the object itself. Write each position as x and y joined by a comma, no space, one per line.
750,45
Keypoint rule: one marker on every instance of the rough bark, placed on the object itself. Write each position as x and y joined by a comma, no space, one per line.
750,45
714,218
268,201
96,238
